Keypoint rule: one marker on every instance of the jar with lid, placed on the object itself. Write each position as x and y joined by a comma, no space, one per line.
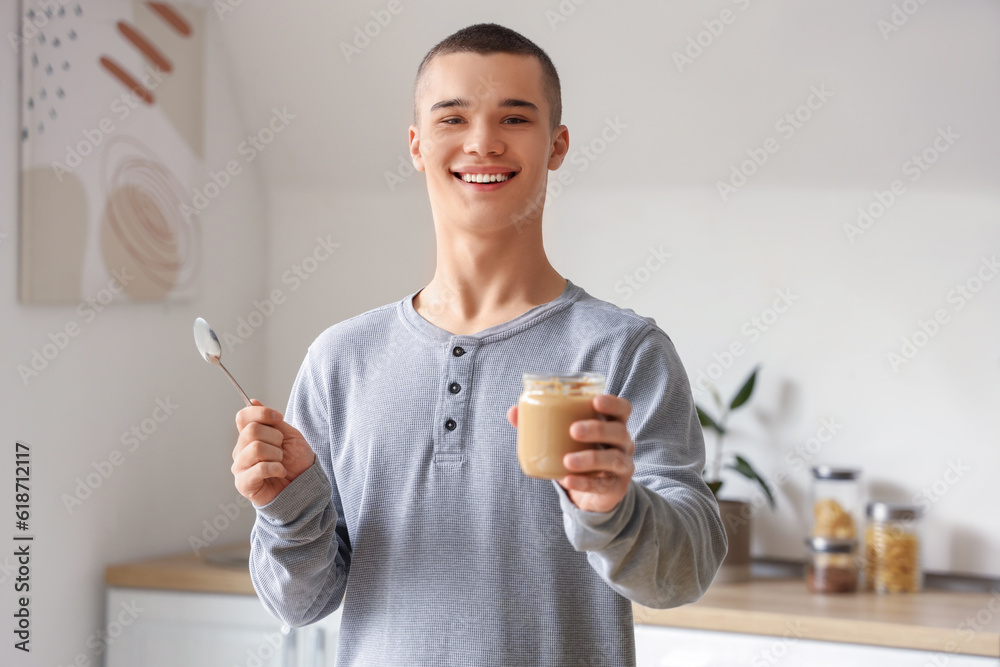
832,565
836,502
892,548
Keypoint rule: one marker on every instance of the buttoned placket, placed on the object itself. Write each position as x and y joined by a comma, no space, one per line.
453,399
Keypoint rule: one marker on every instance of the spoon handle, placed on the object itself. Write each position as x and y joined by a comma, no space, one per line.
236,384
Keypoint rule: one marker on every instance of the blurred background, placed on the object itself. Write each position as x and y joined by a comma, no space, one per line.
822,178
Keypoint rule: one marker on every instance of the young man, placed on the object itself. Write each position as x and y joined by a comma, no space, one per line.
392,484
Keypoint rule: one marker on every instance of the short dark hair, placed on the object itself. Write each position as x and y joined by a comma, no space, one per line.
488,38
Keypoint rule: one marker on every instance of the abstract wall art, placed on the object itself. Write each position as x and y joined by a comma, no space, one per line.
112,142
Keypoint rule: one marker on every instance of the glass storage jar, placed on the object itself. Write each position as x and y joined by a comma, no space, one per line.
892,548
836,502
832,565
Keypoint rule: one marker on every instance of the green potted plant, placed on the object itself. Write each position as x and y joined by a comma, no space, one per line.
736,514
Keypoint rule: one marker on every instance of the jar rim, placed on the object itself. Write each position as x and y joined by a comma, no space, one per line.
881,511
832,545
572,376
831,472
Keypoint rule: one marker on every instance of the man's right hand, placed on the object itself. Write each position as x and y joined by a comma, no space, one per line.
269,453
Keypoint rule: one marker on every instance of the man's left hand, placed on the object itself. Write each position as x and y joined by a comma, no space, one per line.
598,478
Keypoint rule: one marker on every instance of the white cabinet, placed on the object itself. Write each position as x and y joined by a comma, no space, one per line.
153,628
658,646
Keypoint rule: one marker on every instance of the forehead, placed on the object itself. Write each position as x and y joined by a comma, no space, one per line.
482,77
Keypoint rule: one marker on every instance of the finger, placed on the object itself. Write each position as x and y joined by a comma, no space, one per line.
613,433
615,407
257,413
612,461
512,415
598,483
250,481
257,432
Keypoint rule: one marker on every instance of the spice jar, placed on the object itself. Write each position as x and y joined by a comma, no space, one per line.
836,502
892,548
832,565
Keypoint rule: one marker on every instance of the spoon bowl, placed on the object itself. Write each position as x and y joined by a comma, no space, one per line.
211,350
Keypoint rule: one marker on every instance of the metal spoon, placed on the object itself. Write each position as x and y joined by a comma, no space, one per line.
211,350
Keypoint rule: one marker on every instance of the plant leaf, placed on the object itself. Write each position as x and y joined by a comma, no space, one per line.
743,395
716,397
743,467
715,486
708,422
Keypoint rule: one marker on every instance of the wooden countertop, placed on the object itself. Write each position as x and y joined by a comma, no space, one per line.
933,620
187,572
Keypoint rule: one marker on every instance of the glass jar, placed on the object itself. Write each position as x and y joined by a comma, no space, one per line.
836,503
548,406
832,565
892,548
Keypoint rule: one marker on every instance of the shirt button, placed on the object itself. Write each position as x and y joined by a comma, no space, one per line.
454,387
450,424
458,351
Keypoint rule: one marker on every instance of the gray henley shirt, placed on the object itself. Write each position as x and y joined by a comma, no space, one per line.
417,518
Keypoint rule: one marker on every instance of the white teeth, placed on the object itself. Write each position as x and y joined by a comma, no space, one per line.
484,178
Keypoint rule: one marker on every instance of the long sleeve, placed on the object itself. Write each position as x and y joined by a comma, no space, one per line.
664,543
300,552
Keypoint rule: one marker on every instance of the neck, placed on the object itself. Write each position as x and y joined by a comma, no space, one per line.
483,278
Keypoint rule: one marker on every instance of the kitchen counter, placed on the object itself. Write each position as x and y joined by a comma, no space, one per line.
933,620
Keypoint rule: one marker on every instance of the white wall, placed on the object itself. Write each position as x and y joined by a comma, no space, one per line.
107,380
655,185
885,98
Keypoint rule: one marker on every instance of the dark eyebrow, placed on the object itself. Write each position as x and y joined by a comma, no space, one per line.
463,103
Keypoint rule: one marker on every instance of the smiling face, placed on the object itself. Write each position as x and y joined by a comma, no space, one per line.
484,138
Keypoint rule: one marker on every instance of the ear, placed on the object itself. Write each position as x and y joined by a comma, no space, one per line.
559,148
418,159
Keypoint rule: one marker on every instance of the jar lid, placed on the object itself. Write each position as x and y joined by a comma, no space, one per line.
893,511
829,472
831,545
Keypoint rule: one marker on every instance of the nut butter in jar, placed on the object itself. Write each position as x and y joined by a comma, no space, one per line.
548,406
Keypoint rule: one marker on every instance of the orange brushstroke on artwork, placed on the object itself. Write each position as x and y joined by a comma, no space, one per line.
175,20
140,42
116,71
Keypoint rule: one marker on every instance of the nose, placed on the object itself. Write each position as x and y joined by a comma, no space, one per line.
484,139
